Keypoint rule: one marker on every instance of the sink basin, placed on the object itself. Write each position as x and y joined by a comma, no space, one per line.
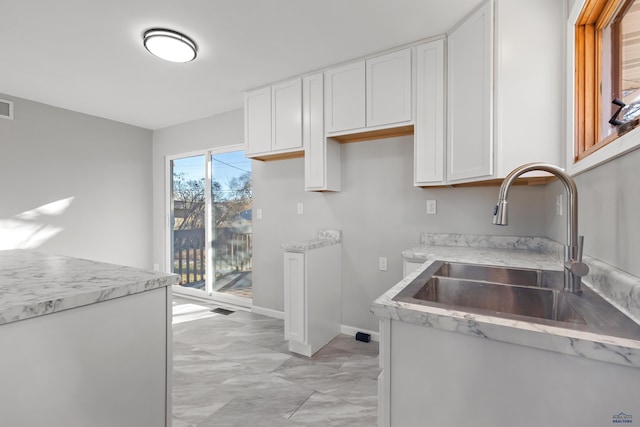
516,300
532,295
504,275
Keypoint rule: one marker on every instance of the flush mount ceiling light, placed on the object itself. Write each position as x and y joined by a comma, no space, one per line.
170,45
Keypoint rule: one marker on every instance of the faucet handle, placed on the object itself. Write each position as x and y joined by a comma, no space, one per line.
577,268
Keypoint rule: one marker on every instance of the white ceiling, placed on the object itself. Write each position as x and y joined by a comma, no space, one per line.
87,55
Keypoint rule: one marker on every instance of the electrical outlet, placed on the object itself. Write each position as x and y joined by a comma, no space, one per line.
300,208
259,213
431,207
559,205
382,263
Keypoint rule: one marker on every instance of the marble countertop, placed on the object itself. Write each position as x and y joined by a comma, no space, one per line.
515,252
33,283
324,238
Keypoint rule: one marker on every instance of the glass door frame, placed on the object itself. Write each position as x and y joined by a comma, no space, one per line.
208,292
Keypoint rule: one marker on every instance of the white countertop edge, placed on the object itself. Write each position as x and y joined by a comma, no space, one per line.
65,302
309,245
604,348
325,237
34,283
588,345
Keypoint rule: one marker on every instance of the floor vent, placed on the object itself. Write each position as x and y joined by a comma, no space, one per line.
222,311
6,109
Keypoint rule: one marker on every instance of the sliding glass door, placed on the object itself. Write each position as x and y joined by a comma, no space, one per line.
188,234
211,224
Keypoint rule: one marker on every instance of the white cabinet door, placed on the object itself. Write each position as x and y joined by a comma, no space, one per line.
286,114
257,121
528,106
470,98
389,88
321,155
313,132
429,139
294,297
98,365
345,97
409,267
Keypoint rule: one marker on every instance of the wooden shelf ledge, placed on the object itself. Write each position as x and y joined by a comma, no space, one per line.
374,134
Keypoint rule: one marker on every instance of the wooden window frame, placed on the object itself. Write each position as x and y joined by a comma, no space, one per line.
595,16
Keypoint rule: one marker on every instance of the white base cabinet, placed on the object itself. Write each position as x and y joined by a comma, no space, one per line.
100,365
440,378
312,295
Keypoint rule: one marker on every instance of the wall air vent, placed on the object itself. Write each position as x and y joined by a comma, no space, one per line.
6,109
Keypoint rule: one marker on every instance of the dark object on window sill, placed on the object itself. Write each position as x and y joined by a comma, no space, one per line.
614,119
628,126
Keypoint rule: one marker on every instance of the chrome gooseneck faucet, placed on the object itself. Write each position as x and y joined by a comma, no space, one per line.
574,268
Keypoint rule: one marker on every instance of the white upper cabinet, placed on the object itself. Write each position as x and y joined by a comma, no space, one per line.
470,98
389,88
257,121
529,75
480,101
345,97
273,120
504,94
286,115
322,155
369,95
429,139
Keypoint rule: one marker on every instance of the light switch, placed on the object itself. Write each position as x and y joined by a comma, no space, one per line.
259,213
382,263
300,208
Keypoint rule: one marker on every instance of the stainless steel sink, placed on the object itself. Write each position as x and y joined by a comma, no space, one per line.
516,300
533,295
504,275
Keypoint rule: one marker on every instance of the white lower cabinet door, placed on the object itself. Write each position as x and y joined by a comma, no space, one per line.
294,297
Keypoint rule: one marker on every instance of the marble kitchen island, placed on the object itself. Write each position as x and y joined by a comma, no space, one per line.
83,343
454,367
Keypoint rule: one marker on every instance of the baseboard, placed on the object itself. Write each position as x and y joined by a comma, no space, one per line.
350,330
344,329
268,312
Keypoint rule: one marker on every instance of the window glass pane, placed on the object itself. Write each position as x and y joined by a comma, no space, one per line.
608,86
232,223
188,232
630,63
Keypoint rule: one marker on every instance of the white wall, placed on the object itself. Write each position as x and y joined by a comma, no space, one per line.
203,134
100,168
380,214
608,214
379,211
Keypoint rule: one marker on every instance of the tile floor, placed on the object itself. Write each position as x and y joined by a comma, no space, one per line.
236,370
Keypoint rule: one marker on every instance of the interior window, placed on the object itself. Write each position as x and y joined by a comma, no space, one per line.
607,72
